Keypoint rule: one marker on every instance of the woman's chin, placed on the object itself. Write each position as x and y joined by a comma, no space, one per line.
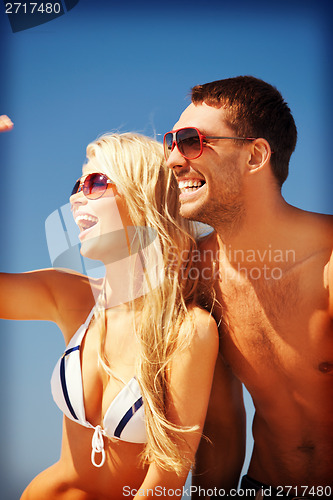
88,250
107,248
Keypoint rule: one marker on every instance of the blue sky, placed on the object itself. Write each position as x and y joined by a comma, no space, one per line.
98,69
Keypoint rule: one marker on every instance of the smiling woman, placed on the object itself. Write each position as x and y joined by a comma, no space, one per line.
134,380
100,214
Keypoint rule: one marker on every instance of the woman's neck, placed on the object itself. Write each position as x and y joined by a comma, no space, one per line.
123,281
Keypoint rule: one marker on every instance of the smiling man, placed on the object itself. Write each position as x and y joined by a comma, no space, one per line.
270,266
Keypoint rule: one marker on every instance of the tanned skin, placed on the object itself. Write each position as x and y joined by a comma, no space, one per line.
271,267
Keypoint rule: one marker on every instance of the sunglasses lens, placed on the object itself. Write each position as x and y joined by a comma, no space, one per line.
167,144
189,143
94,186
76,187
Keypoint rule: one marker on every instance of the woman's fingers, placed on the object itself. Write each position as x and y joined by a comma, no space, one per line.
5,123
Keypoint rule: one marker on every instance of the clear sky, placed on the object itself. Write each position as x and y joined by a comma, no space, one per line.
102,67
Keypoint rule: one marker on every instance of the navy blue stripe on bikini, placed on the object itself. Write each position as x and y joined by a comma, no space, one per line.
127,417
63,380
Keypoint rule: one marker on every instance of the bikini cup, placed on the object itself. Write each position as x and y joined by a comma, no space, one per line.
123,420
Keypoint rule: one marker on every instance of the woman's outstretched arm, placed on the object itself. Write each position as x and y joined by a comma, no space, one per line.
46,294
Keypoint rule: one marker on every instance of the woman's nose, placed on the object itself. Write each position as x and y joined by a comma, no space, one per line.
77,199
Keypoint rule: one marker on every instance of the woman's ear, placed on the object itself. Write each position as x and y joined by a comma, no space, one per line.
260,154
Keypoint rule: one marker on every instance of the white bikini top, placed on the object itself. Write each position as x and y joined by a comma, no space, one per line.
124,419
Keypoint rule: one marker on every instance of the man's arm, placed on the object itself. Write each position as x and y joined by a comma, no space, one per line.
329,280
219,461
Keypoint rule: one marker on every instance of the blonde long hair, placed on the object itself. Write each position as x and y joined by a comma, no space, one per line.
136,164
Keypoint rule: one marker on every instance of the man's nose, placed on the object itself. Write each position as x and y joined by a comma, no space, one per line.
176,161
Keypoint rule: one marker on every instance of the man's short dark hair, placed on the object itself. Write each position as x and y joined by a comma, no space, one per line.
254,108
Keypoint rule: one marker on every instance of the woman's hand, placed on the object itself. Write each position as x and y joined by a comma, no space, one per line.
6,123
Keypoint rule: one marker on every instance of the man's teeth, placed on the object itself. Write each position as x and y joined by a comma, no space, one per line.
85,221
190,185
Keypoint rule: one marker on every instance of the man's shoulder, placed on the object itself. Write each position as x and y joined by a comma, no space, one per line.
318,247
325,220
317,230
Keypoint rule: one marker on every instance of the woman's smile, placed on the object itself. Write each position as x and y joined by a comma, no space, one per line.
85,222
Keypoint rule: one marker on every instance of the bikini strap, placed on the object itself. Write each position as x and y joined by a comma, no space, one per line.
89,318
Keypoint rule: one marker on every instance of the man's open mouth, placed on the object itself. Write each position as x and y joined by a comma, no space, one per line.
190,186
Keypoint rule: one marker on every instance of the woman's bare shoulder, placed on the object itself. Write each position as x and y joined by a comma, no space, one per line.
201,326
74,294
74,280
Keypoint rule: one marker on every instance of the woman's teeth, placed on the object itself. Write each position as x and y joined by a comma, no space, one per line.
85,221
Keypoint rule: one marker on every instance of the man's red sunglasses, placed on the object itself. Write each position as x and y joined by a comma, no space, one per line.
189,142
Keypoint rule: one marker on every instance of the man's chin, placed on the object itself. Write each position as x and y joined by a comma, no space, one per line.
187,213
195,207
191,213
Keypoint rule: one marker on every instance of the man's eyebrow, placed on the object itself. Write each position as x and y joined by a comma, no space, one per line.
206,132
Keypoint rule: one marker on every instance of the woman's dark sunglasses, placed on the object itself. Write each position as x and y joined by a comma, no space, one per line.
189,142
93,185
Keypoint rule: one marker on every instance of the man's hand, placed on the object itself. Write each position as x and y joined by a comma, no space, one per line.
6,123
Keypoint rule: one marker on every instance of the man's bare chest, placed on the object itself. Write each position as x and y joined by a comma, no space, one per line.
274,322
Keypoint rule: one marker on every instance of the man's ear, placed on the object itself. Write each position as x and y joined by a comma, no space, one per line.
260,154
